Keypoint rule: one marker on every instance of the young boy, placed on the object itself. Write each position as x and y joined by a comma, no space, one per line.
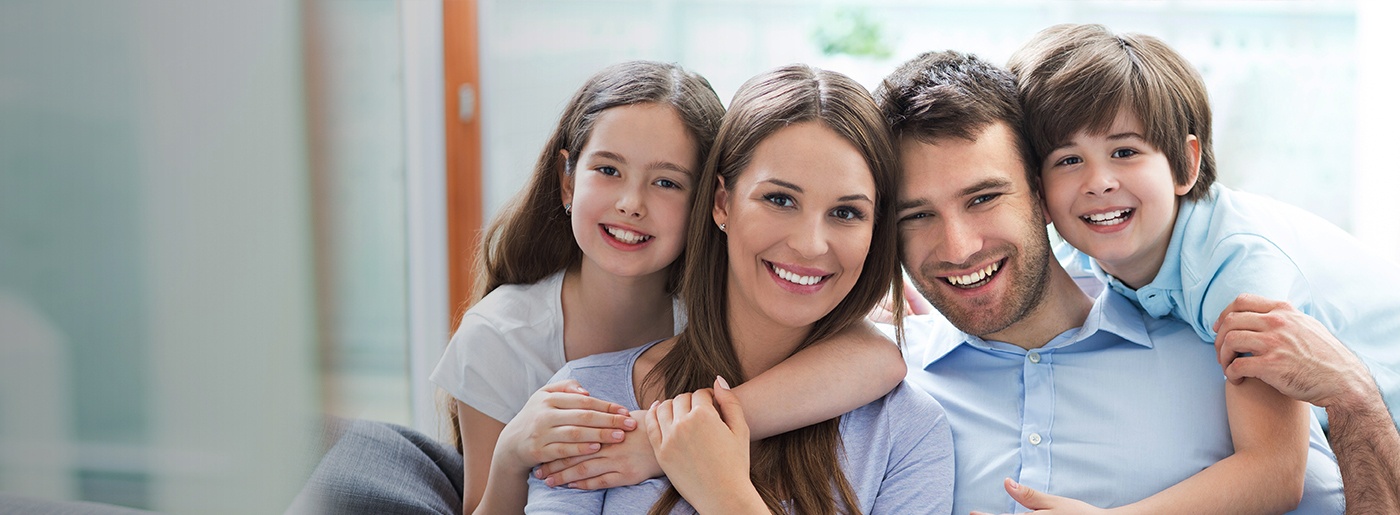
1121,127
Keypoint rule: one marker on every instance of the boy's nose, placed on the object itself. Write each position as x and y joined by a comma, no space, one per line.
1100,182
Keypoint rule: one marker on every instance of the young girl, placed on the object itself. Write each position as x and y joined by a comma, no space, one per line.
1121,127
800,190
586,261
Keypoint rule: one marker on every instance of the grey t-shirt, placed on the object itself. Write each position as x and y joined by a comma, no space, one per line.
898,450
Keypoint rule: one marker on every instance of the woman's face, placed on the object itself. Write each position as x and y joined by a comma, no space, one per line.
799,220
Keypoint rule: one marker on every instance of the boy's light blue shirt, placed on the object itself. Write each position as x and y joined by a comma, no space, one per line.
1109,413
898,450
1233,242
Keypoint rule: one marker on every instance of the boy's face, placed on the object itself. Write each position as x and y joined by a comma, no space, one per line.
1112,196
972,234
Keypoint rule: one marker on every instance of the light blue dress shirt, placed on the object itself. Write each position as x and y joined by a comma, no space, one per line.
1233,242
898,451
1108,413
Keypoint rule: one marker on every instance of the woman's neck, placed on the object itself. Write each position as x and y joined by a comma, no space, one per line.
605,313
759,342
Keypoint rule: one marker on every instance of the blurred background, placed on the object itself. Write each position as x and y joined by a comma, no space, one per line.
221,220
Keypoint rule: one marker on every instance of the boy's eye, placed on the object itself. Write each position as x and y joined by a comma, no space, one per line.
779,199
1124,152
1068,160
608,170
848,213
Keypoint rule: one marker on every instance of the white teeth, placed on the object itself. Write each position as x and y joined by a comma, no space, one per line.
803,280
975,277
1109,218
627,236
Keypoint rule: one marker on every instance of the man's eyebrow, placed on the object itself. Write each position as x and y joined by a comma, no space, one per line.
910,204
992,183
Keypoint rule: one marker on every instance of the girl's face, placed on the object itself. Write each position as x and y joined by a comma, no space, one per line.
1113,197
799,222
631,190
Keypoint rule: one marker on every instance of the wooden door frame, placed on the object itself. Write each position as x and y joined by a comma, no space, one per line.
461,68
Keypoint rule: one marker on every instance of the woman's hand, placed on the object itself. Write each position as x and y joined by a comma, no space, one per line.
705,451
620,464
559,421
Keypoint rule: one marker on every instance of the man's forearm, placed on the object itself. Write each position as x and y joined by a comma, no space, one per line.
1368,450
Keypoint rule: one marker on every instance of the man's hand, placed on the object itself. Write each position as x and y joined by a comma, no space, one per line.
1288,350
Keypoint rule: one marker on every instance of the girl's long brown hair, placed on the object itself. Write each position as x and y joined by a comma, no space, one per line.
802,465
531,239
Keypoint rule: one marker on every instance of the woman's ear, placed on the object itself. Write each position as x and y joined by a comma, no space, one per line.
566,179
721,208
1193,166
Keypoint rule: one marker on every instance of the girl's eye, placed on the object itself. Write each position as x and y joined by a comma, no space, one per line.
848,214
669,184
608,170
779,199
1068,160
1124,152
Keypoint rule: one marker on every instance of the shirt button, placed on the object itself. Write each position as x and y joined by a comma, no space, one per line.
1034,357
1035,438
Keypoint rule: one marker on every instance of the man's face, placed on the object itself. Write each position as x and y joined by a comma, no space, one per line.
972,232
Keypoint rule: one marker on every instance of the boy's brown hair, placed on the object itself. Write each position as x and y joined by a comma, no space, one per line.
1076,77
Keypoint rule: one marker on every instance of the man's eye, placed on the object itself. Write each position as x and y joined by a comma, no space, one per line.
983,199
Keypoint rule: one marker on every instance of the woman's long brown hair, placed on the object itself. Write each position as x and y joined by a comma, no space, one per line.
803,466
531,239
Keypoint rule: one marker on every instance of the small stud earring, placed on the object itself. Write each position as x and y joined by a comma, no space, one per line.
568,209
721,227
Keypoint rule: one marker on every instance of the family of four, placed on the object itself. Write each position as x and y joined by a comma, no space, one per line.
666,249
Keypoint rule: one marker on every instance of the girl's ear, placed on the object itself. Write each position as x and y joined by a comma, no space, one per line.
566,180
721,209
1193,166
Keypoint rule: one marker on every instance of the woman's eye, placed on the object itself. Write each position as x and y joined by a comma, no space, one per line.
779,200
848,213
608,170
1124,152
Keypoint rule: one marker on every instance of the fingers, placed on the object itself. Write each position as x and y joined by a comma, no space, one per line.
729,408
1241,369
565,386
1025,495
558,451
654,434
918,305
568,400
1229,345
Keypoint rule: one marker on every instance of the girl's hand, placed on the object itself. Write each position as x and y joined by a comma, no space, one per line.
703,450
560,420
618,464
1046,504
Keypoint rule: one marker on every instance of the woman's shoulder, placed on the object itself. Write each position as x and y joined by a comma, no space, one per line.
903,411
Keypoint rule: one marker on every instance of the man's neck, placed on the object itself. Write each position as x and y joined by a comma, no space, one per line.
1064,306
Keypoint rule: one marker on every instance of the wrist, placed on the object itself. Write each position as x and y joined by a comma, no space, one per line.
1356,400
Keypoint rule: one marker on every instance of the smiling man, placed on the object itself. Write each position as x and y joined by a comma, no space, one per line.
1051,380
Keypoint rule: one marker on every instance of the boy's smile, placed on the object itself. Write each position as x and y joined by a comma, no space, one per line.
1112,196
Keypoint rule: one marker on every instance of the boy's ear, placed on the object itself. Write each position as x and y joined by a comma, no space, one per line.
1193,165
721,208
566,180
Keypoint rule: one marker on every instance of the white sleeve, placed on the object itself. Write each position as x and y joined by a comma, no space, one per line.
489,369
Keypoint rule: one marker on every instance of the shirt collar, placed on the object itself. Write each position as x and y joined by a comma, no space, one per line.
1111,314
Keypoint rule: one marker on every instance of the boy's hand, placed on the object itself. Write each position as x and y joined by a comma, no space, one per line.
1289,350
560,420
620,464
1045,504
